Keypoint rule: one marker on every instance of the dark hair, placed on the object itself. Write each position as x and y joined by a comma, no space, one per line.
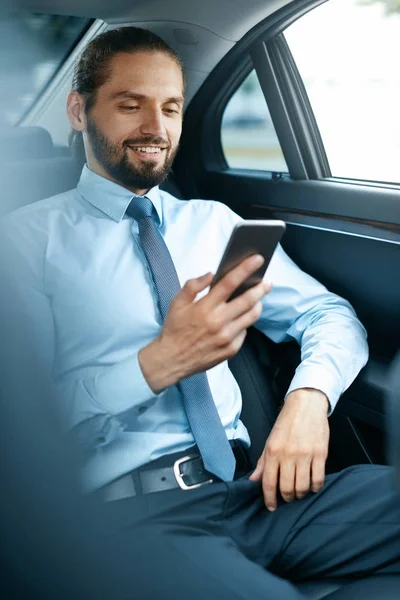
92,69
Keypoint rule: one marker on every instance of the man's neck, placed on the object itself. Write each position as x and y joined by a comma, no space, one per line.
99,171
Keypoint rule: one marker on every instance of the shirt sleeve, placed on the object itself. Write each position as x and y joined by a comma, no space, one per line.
117,389
103,396
333,342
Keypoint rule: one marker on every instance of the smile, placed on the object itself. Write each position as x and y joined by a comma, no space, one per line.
147,149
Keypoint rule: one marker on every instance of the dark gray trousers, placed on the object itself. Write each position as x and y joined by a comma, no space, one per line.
220,542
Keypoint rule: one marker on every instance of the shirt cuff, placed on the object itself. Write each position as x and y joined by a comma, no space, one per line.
123,387
317,379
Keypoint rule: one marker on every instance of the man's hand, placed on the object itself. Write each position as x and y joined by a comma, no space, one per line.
295,453
199,335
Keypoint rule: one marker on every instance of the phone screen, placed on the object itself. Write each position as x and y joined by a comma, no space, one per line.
248,238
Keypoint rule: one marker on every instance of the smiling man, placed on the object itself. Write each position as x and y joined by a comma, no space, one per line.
141,105
116,276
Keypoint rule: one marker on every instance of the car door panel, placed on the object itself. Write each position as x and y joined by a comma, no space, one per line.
355,256
348,237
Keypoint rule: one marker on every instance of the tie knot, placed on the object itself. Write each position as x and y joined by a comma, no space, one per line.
140,207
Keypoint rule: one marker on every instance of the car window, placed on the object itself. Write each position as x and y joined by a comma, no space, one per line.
249,140
32,48
347,52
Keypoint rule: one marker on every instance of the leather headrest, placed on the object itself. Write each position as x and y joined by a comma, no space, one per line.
19,143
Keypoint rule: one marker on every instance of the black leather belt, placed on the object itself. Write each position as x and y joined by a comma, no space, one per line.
183,470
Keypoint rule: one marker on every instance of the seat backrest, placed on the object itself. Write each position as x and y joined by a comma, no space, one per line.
254,370
21,143
393,415
31,180
30,169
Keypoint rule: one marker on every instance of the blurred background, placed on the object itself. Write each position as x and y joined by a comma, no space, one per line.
32,49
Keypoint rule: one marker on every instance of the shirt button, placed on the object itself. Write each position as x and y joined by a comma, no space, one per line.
142,409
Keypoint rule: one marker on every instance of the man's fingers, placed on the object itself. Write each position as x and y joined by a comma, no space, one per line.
317,474
303,479
192,287
246,301
242,323
287,476
259,470
223,290
270,482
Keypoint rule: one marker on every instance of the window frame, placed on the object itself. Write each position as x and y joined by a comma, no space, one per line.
222,112
213,118
326,172
290,109
265,49
233,69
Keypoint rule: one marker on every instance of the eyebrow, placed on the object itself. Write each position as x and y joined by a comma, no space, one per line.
126,95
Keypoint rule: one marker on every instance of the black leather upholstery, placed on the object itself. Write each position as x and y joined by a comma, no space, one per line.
23,182
21,143
254,371
393,416
29,168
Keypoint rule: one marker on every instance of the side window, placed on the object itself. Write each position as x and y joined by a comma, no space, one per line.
32,48
347,52
248,136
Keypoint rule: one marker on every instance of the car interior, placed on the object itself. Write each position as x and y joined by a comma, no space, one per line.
342,229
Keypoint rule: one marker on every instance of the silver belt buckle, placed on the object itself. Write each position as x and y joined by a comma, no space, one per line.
179,475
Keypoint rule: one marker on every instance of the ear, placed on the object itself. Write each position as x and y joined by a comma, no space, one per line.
76,111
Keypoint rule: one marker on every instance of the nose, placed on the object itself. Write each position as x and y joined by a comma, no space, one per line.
153,123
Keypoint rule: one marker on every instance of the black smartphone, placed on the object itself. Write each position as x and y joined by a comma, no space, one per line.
248,238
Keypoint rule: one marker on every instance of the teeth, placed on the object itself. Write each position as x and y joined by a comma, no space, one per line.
149,150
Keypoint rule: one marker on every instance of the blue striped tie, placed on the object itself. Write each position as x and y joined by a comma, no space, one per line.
198,402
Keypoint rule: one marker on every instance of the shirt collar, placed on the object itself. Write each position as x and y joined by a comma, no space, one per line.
109,197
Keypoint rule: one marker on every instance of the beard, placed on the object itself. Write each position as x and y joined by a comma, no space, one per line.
114,159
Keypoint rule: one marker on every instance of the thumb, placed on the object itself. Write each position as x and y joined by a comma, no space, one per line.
193,286
259,470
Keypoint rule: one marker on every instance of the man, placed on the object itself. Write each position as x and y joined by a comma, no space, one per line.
142,364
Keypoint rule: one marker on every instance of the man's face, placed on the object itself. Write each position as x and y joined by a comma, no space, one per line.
133,129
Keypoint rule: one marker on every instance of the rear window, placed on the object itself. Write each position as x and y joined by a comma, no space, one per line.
32,48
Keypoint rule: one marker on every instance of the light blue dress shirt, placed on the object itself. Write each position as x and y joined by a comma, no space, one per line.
77,260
